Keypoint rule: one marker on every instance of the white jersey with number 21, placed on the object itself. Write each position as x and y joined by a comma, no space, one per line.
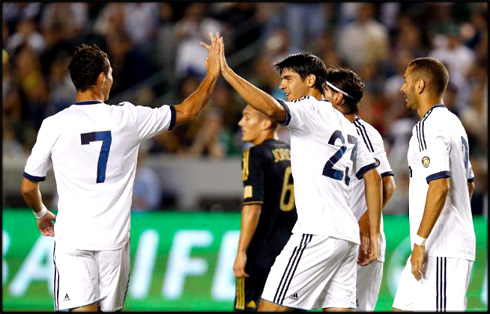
326,152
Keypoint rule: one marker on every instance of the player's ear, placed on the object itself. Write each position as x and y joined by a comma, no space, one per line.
311,80
266,124
420,86
339,98
101,78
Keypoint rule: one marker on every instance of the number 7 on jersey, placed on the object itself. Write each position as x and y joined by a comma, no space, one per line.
106,138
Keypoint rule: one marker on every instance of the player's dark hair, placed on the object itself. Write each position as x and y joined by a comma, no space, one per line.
87,63
349,82
304,64
432,70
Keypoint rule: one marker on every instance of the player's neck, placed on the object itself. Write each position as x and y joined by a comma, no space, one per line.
90,94
351,117
264,137
425,105
316,93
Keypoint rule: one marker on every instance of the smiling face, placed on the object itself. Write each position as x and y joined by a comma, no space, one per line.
292,85
252,124
408,90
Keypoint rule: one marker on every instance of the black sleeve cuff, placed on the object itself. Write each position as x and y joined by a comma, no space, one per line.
439,175
172,118
363,170
288,114
387,173
33,178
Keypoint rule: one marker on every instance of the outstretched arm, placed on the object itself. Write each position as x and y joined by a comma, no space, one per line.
252,95
190,108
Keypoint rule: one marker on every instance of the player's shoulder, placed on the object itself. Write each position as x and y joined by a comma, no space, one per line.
268,149
271,143
366,127
437,119
61,116
309,101
124,105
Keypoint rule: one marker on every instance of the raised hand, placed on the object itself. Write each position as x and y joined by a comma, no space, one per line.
222,59
212,61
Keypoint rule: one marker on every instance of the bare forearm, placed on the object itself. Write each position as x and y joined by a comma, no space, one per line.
250,220
190,108
32,195
254,96
436,198
388,189
373,194
471,189
364,223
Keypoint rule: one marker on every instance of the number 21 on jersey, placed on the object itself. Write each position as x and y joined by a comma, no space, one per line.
328,169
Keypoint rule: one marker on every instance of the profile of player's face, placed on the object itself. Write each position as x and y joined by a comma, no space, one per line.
292,85
250,124
408,90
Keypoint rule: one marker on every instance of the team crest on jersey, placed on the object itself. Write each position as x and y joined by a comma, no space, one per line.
425,161
376,160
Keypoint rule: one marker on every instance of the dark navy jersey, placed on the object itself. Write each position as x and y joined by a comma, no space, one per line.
267,180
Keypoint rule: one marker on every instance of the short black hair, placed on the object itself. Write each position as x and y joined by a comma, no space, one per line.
433,70
87,63
305,64
349,82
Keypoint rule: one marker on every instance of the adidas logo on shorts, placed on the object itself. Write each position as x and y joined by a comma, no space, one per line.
293,296
67,298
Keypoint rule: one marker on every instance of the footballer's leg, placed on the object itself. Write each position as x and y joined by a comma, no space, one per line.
266,306
89,308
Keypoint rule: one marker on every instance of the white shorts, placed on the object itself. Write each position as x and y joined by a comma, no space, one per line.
83,277
368,283
443,287
314,272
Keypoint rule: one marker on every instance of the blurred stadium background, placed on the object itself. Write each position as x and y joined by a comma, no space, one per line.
188,192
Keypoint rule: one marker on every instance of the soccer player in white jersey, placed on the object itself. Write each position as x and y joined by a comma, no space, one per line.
442,235
317,267
93,148
344,89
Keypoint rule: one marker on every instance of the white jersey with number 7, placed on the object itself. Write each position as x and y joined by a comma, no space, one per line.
93,148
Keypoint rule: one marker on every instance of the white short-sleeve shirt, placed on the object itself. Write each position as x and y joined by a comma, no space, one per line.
374,142
438,149
326,153
93,148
